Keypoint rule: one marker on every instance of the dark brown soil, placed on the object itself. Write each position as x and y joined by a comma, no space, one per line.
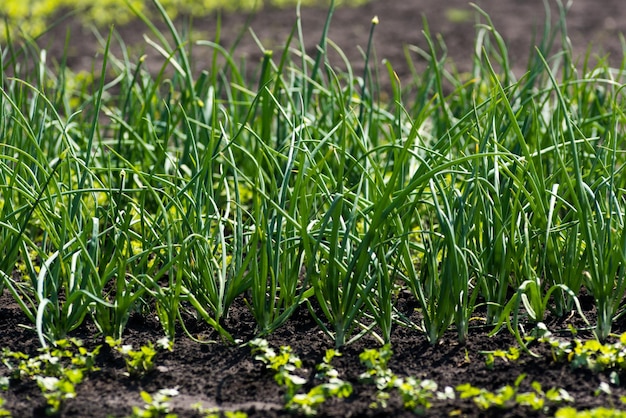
227,377
219,375
592,29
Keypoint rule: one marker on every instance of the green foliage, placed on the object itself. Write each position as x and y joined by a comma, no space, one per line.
375,360
57,390
156,405
174,192
139,362
512,354
4,412
416,394
590,354
285,364
509,396
601,412
332,386
57,370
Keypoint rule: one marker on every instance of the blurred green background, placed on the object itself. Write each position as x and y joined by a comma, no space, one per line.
31,17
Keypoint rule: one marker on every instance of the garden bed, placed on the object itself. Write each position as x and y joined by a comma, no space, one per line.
272,231
227,377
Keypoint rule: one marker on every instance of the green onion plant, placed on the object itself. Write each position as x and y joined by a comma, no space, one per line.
300,182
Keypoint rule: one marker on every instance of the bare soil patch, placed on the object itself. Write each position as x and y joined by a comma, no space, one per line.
593,30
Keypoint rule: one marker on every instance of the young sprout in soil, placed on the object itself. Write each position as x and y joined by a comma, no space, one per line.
332,386
590,354
285,363
157,405
140,362
512,354
416,394
570,412
509,396
3,412
57,370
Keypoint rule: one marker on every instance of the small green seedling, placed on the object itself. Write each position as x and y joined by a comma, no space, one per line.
285,363
3,412
56,390
332,386
570,412
512,354
57,370
416,394
508,396
53,361
377,371
139,362
156,405
590,354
